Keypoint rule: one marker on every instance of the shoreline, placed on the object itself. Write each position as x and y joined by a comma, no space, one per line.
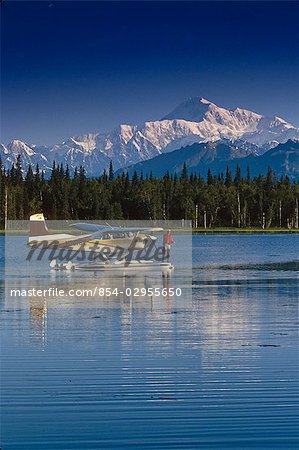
244,231
201,230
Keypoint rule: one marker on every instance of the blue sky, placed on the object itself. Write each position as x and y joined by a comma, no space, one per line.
74,67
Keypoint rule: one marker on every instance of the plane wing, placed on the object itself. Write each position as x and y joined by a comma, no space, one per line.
94,228
97,231
89,227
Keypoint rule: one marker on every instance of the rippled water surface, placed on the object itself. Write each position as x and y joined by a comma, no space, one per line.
216,368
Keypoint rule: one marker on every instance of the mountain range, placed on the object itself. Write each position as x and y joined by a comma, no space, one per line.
236,133
216,156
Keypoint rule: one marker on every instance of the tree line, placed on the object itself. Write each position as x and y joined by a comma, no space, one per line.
225,200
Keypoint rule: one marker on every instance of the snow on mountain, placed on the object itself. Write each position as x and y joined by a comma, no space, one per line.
219,123
28,152
194,121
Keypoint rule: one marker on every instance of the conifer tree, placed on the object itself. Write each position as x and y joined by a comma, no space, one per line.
111,171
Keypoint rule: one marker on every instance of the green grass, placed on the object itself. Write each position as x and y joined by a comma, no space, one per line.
233,230
14,232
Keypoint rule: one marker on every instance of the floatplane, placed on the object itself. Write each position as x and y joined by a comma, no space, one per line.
111,249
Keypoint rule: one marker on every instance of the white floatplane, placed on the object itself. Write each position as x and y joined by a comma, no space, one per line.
117,249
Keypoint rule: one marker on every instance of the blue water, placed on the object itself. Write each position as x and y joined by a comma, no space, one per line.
214,369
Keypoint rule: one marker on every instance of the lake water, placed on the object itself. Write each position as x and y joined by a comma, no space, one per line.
216,368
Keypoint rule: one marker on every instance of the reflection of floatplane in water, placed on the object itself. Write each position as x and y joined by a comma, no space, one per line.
133,267
114,250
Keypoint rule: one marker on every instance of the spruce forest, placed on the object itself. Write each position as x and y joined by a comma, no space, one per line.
225,200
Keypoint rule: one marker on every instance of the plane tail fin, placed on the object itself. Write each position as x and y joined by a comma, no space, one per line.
37,225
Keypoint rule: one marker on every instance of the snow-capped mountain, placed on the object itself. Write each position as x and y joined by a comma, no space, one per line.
194,121
219,123
29,154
